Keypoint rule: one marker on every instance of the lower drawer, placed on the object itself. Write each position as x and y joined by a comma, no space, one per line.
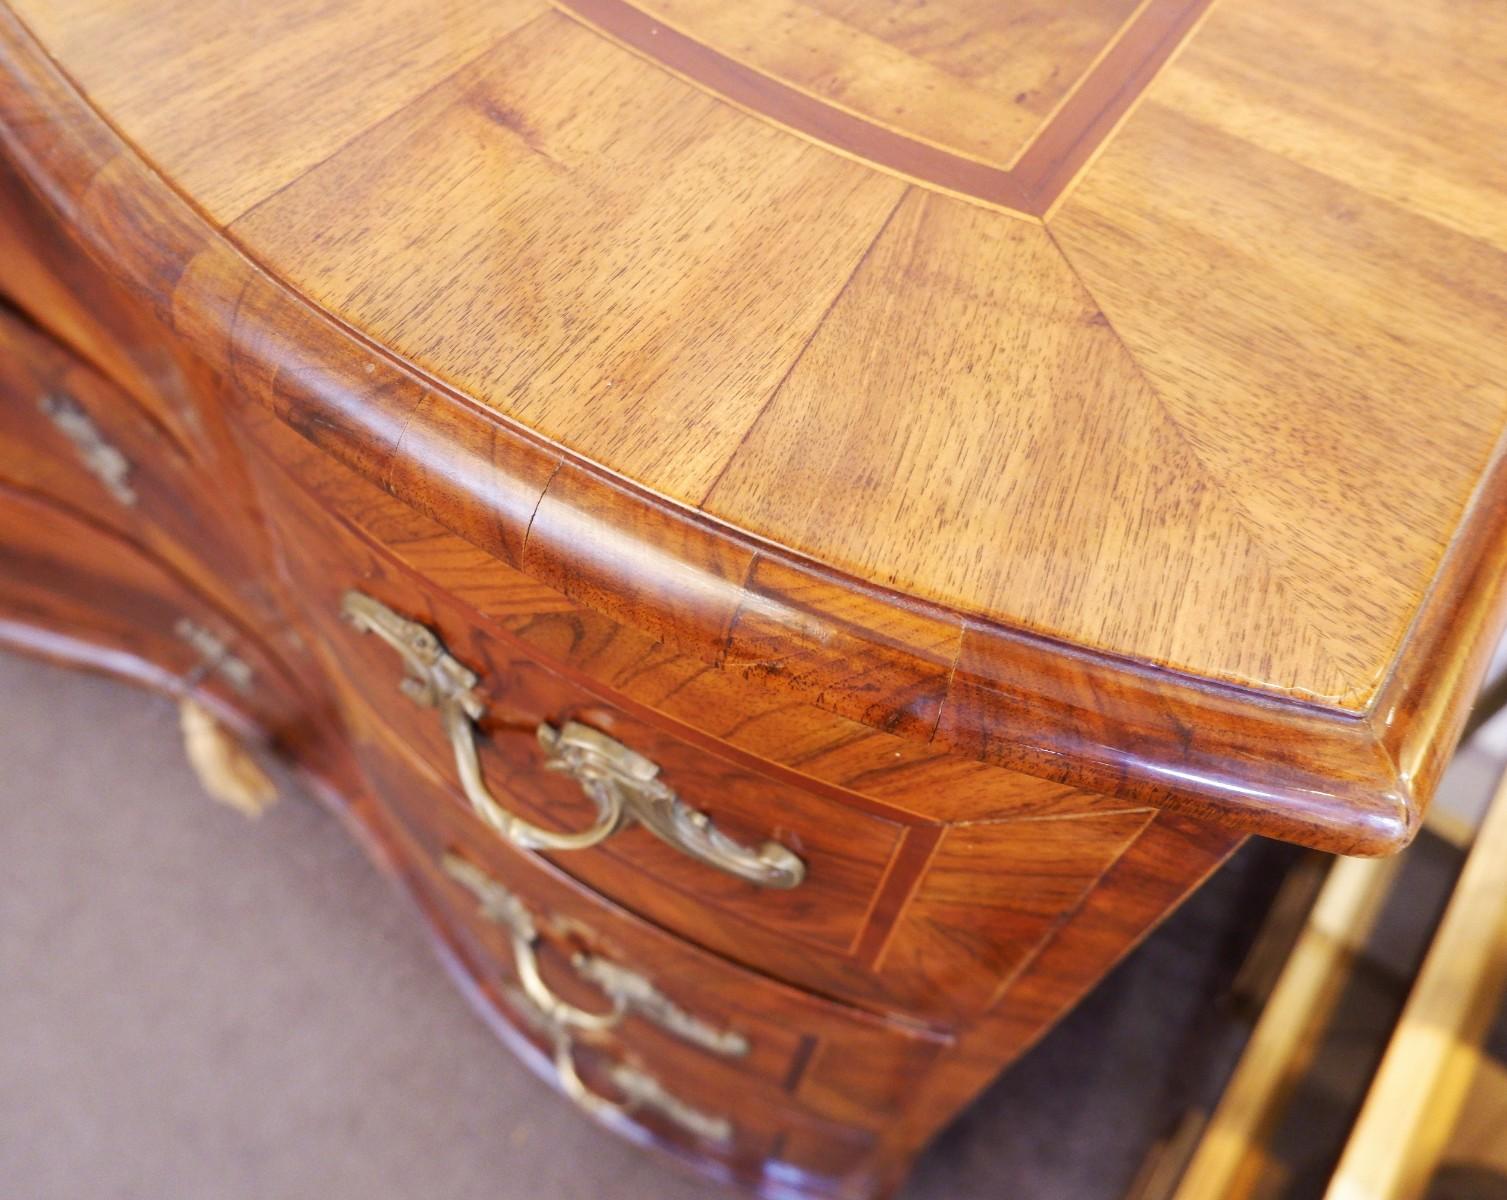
73,590
680,1011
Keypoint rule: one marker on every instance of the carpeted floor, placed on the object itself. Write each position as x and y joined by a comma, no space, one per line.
196,1006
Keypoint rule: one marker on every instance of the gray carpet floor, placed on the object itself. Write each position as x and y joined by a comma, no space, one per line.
197,1006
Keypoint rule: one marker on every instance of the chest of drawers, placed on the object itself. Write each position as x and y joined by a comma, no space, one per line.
795,582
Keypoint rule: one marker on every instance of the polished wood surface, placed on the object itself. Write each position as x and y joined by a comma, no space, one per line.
1003,459
1218,437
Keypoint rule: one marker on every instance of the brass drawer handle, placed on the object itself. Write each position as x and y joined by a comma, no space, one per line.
634,993
623,780
100,457
436,680
626,989
623,784
639,1089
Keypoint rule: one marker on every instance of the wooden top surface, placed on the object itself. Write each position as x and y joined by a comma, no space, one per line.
1175,333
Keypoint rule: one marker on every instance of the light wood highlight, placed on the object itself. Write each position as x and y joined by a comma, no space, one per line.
1231,1156
1350,354
1423,1081
583,272
1067,449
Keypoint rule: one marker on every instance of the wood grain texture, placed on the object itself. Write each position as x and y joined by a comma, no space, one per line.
240,101
1174,504
1070,448
736,712
978,78
589,271
929,934
76,591
154,498
836,1098
927,92
1351,353
1406,109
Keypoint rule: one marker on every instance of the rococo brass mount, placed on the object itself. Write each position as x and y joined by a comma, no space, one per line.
623,784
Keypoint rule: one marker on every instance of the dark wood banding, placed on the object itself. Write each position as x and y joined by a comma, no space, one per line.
1043,171
1103,98
766,97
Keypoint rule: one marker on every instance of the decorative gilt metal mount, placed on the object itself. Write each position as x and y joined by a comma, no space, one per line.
102,459
626,989
623,785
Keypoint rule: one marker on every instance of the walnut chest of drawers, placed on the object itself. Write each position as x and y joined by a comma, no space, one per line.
797,531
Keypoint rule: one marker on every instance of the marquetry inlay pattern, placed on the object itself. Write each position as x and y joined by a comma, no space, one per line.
1002,104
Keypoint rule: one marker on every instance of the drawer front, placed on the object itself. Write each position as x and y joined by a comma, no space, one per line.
735,706
71,435
680,1007
735,1073
49,276
889,912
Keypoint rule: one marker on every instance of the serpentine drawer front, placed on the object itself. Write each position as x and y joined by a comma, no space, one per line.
623,785
770,1080
857,865
796,570
766,1040
81,594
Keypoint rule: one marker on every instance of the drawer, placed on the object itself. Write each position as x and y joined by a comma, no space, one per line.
71,435
734,706
686,1010
889,912
52,278
736,1066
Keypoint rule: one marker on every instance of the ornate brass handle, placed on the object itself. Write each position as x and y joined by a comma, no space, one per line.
623,784
617,777
639,1089
436,680
560,1020
101,458
627,990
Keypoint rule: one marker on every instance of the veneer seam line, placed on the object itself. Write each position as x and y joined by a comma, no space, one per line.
800,354
1248,524
1066,917
366,130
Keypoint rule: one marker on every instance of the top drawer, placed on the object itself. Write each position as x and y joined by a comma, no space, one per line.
804,881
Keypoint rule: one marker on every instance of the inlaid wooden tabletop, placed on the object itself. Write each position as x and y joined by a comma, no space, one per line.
1173,331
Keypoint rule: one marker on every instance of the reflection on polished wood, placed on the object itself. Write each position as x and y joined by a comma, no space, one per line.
961,572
